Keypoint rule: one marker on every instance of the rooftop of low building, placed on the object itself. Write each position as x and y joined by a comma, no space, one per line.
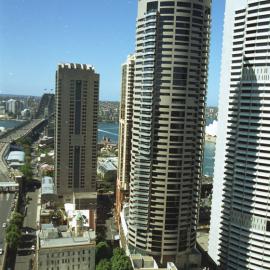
16,155
76,231
55,237
140,262
108,164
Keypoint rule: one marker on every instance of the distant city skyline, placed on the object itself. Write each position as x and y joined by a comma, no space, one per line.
33,34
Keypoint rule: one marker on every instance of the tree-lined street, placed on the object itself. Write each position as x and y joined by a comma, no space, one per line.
7,199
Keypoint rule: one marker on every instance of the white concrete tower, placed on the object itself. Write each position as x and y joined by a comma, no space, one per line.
172,45
240,223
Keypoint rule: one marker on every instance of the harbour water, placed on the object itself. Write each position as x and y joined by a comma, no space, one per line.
111,130
10,124
108,130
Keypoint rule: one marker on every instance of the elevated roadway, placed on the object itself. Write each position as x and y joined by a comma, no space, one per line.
6,200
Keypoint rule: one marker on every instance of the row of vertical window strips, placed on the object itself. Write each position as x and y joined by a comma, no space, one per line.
122,124
141,178
235,253
128,117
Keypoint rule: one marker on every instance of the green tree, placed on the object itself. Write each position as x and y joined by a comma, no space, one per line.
120,261
103,251
118,252
24,142
27,150
101,233
16,219
104,264
11,227
13,237
13,233
27,171
123,263
49,173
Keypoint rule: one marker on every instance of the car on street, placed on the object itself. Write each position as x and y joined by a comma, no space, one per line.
1,251
33,247
4,225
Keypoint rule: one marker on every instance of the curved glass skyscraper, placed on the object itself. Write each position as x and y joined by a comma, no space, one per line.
172,46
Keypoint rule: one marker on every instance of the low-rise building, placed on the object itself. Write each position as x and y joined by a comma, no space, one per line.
45,141
66,247
15,159
16,175
9,187
48,189
107,168
140,262
45,216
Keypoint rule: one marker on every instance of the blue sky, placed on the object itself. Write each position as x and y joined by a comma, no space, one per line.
37,35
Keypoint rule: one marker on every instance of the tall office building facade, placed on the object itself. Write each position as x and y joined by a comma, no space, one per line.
240,221
77,91
125,126
171,66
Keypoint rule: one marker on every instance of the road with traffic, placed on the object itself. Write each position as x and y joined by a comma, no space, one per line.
6,200
19,132
25,254
5,205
